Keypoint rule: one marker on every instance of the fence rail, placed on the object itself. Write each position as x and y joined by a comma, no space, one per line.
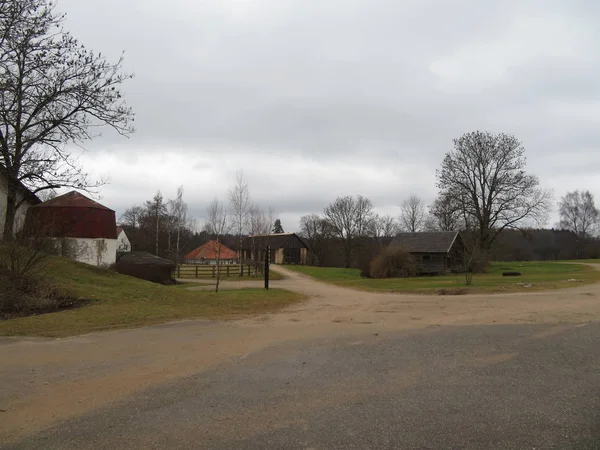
210,271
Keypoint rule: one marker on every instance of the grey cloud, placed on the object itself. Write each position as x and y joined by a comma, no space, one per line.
344,81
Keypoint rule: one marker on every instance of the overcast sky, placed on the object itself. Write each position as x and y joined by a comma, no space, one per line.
319,98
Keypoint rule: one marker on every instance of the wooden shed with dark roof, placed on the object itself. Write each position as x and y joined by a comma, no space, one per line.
286,248
434,252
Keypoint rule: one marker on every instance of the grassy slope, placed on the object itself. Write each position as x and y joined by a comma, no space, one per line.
541,275
118,301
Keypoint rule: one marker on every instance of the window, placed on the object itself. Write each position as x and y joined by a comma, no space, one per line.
426,258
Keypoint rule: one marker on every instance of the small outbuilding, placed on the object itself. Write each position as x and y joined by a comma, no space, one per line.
286,248
146,266
84,230
211,252
434,252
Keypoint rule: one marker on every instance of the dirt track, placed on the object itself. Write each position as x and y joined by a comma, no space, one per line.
47,380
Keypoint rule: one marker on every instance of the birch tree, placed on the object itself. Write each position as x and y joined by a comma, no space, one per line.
217,225
240,206
578,213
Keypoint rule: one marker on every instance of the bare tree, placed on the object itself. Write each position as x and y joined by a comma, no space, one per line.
578,213
412,214
178,213
156,209
260,226
132,217
445,214
53,91
383,228
217,225
315,231
240,206
485,175
348,218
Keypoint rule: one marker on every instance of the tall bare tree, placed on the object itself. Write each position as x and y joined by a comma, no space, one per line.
217,225
240,206
156,211
260,226
178,213
53,91
383,228
348,218
315,231
485,175
445,214
412,214
578,213
132,217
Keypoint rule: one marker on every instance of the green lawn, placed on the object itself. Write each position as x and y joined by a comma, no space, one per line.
537,275
118,301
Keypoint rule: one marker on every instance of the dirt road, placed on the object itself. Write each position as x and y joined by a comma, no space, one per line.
44,381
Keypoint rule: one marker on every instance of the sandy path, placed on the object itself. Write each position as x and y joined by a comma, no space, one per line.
46,380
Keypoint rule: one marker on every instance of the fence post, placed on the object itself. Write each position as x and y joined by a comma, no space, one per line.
227,270
179,271
214,271
196,270
266,270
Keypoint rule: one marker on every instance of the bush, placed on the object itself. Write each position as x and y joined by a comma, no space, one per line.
23,289
392,262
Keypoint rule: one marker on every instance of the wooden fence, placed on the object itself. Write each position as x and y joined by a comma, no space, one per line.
210,271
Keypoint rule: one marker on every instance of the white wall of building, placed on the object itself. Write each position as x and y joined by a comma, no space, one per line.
21,211
123,244
96,252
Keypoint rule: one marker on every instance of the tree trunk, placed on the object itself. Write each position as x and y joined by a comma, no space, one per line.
11,211
157,229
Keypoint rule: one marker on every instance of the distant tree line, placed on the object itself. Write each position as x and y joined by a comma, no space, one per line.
485,192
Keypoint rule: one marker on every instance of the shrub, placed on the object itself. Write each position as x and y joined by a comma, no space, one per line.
392,262
23,288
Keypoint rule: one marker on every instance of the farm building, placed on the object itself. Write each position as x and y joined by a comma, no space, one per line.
83,229
146,266
25,199
123,243
209,253
434,252
286,248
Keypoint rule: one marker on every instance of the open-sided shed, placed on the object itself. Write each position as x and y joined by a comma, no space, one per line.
286,248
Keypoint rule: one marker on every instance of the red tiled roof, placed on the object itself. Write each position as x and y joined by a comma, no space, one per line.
72,199
209,251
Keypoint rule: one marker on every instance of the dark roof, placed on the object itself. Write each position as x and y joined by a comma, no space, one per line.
71,215
143,258
274,240
33,199
426,242
209,251
72,199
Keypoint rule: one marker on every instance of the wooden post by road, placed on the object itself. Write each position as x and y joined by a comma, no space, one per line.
267,258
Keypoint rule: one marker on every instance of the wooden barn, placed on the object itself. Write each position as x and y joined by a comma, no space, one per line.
286,248
434,252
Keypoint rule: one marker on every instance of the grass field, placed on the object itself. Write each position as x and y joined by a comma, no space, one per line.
535,276
118,301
